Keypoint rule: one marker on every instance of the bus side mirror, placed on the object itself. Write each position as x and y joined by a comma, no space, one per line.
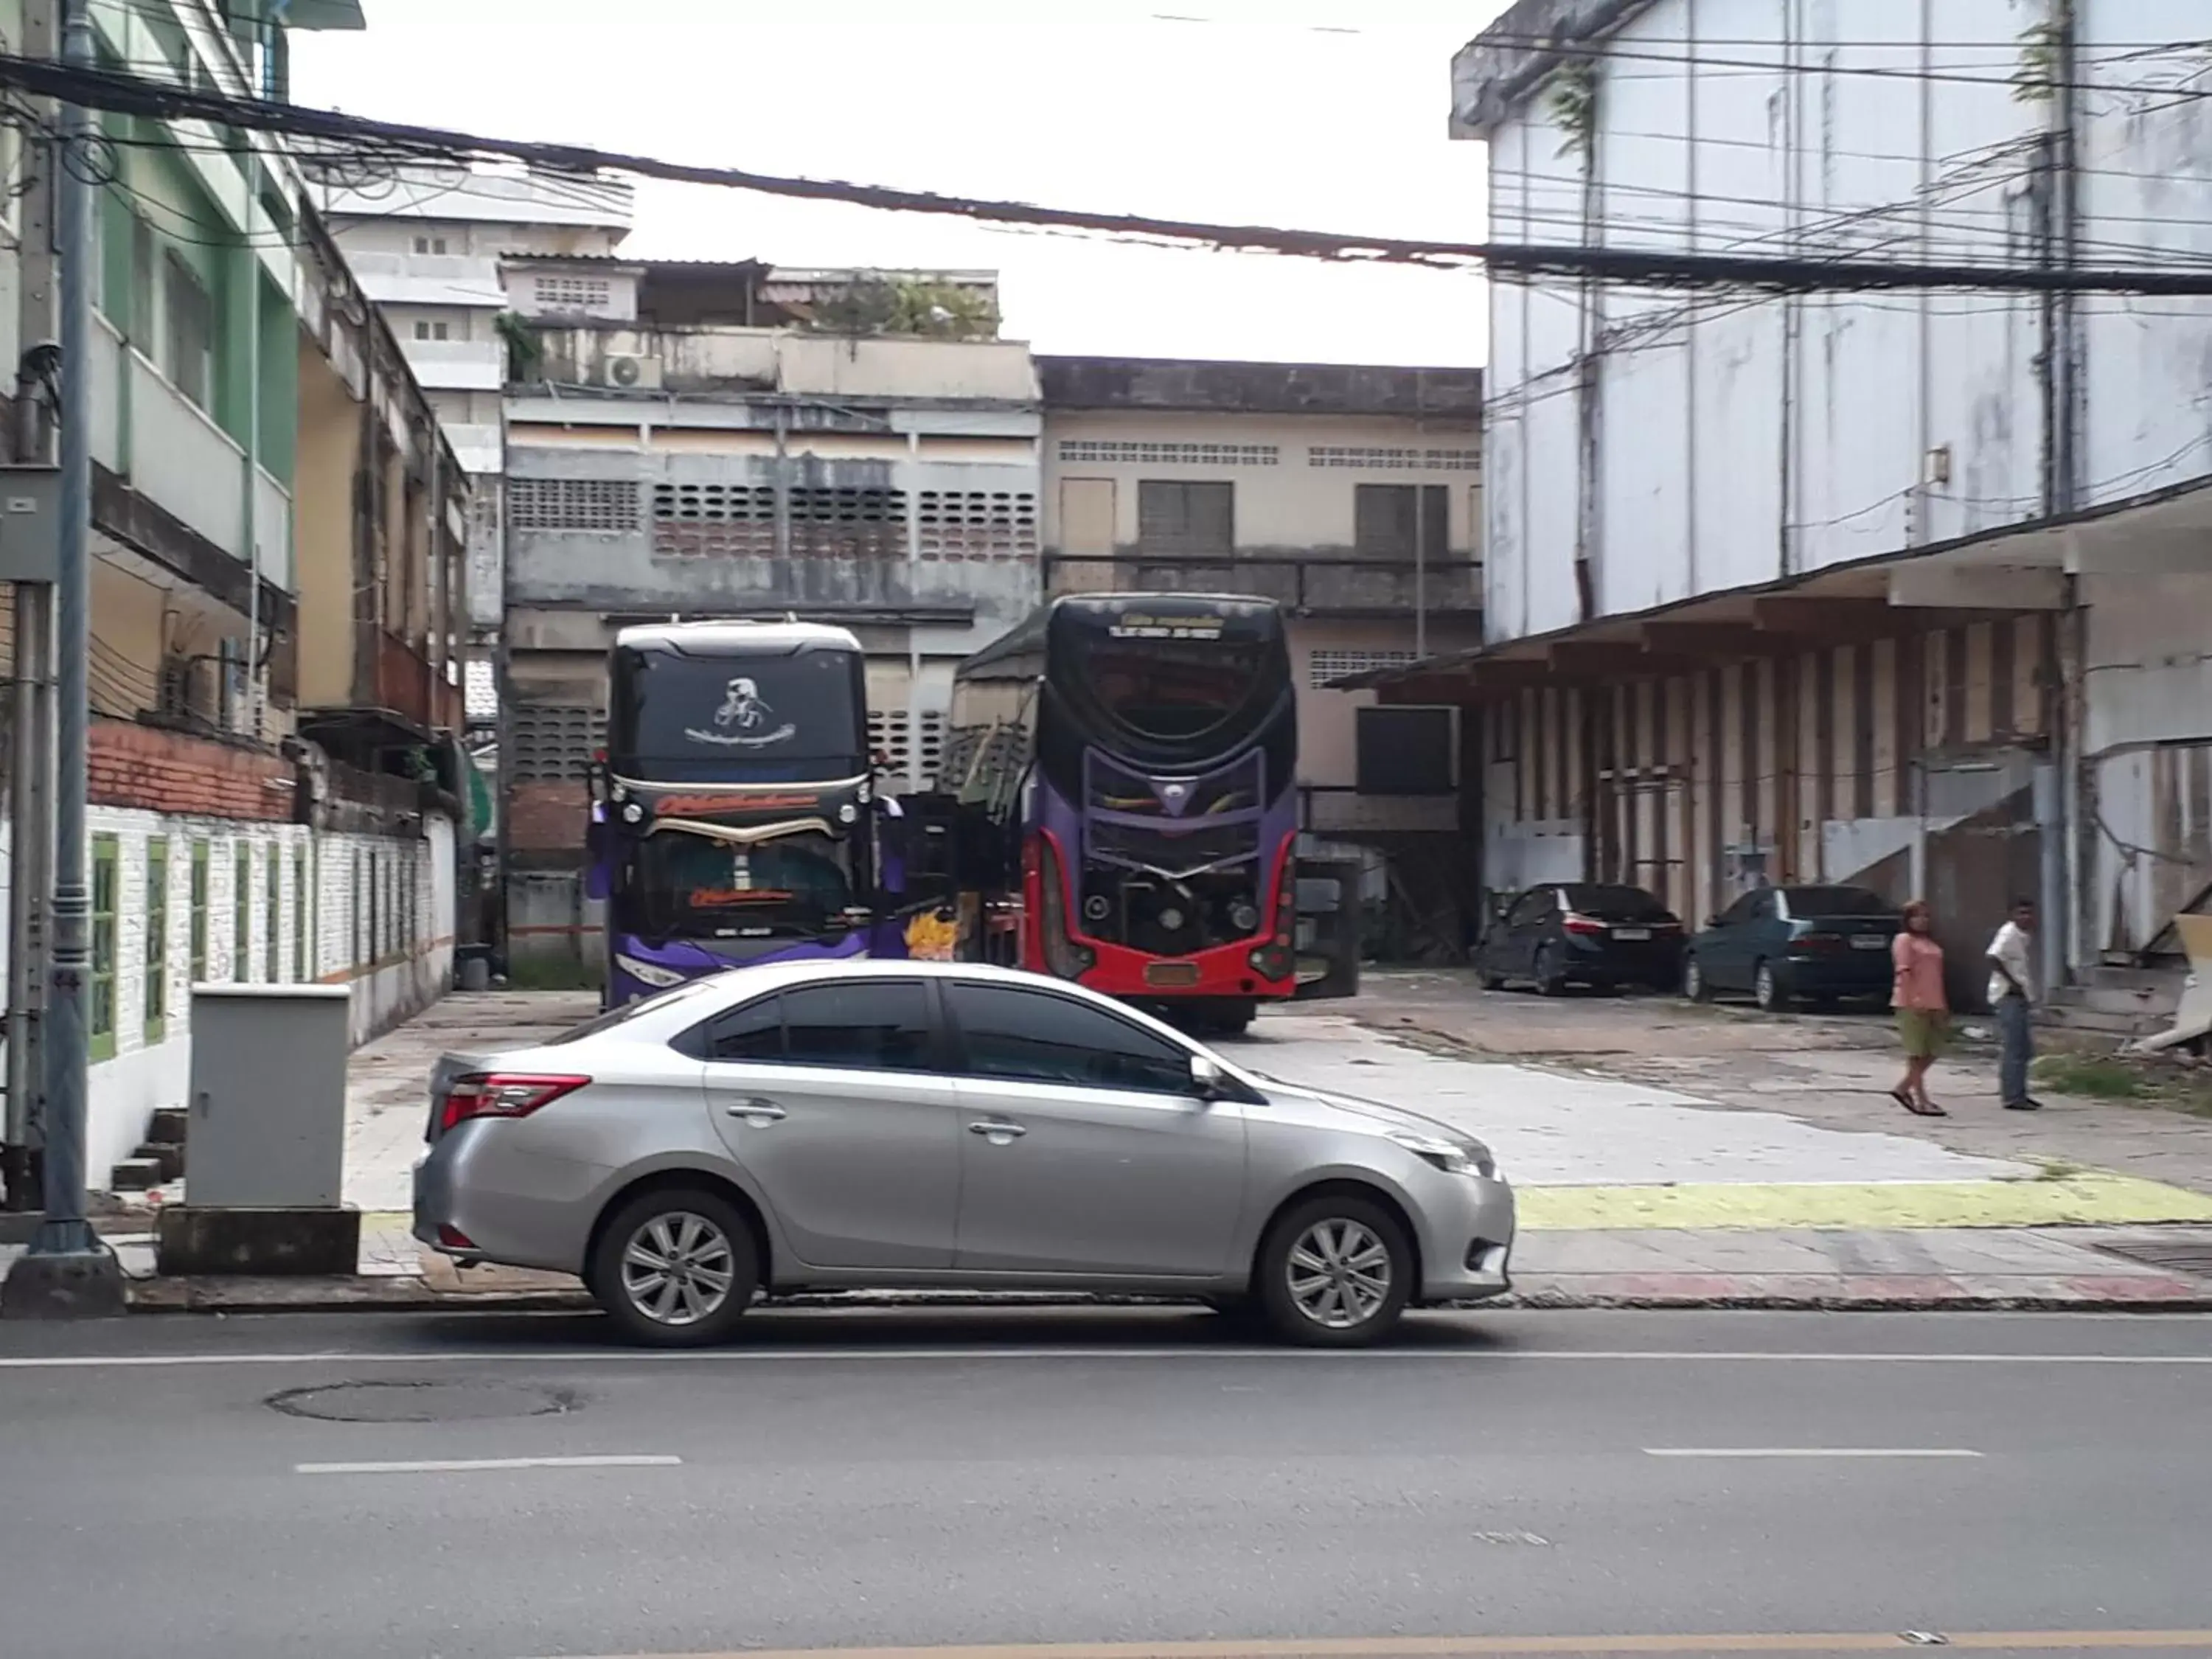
596,873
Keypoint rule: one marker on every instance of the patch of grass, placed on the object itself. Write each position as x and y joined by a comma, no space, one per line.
550,973
2057,1169
2091,1078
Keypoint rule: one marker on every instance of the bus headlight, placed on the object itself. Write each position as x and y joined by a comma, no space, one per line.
649,973
633,814
847,812
1244,919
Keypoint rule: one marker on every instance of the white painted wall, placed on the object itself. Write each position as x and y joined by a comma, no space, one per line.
380,917
1741,440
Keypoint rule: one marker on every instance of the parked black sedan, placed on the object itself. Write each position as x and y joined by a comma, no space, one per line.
1565,933
1785,945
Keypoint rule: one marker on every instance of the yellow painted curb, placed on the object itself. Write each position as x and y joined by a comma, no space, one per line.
2089,1198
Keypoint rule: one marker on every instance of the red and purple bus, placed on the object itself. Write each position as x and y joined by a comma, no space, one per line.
1120,770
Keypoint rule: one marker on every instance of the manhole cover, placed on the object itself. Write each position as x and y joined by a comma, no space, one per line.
2190,1256
420,1403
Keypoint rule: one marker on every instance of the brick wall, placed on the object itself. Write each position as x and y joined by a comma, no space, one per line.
130,765
547,818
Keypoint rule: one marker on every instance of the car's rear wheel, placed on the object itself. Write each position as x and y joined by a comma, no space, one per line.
675,1268
1551,972
1766,989
1335,1272
1694,985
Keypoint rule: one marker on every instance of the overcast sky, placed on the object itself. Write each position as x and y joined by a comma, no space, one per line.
1325,114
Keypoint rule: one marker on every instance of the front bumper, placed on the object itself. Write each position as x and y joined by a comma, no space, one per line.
1467,1230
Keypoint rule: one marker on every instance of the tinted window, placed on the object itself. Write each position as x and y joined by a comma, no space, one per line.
627,1011
752,1032
870,1024
808,706
1744,909
1608,903
1837,901
1530,908
1036,1037
1172,688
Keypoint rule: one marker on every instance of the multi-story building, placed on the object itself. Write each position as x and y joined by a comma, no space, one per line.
728,440
1907,589
1353,495
276,584
445,252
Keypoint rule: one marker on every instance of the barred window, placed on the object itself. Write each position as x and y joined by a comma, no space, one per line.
591,506
1163,453
555,743
1397,460
1326,665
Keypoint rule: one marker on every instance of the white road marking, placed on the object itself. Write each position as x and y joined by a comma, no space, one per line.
1808,1451
542,1357
473,1465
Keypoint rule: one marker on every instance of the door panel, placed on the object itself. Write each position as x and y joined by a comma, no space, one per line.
1100,1181
1082,1149
858,1158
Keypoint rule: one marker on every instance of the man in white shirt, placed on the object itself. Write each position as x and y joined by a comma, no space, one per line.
2012,994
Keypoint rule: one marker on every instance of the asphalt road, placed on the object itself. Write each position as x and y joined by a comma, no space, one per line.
1658,1481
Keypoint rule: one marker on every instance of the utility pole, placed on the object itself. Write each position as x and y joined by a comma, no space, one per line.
69,1272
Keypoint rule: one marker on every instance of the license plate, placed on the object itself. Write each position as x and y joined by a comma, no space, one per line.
1870,941
1175,974
1632,933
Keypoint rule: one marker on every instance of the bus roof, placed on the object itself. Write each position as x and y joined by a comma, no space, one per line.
1028,634
735,637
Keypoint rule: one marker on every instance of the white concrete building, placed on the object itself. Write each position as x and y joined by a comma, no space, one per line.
1904,587
442,250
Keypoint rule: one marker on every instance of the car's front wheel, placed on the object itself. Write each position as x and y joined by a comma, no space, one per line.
1335,1272
675,1268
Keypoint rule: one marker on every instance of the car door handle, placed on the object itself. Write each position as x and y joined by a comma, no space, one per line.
766,1110
1010,1130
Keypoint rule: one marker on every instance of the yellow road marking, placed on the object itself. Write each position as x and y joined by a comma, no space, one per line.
2090,1198
1480,1647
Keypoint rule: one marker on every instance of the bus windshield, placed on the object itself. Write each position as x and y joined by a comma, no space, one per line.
1169,690
702,887
805,707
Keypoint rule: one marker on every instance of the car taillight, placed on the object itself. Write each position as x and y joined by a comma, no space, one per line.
503,1094
1575,924
1818,944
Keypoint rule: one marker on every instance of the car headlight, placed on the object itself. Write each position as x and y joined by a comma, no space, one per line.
648,973
1468,1158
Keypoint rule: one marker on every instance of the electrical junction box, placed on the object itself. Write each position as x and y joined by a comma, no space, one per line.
268,1104
30,523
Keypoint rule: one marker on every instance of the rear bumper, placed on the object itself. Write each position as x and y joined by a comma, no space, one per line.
516,1210
1860,974
1608,962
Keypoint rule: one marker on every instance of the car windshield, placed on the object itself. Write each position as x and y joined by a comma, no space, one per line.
1609,903
1809,901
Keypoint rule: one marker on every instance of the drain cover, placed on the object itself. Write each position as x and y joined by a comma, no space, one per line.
420,1403
2193,1256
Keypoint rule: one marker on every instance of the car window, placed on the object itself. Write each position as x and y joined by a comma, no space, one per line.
868,1024
1532,907
1744,909
630,1011
1036,1037
752,1032
1838,902
1607,903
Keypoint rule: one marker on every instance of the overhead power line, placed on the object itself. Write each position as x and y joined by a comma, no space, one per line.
129,94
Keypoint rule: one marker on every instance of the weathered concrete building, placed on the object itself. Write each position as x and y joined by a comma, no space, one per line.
730,440
1353,495
1911,589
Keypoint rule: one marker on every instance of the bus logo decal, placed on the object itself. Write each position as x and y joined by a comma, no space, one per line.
744,719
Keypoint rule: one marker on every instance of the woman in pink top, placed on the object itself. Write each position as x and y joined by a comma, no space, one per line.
1923,1015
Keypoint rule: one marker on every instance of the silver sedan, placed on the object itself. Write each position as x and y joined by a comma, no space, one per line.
884,1125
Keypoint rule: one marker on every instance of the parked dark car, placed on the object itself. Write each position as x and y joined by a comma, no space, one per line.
1565,933
1786,944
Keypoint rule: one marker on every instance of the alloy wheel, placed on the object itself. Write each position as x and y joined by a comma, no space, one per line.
679,1268
1339,1273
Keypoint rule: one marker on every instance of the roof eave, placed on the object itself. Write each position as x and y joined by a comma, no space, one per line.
1495,73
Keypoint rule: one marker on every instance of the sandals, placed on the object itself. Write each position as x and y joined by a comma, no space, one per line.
1918,1109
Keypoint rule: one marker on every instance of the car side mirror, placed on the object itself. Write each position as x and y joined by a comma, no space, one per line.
1207,1080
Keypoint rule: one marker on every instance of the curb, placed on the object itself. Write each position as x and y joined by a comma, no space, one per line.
402,1295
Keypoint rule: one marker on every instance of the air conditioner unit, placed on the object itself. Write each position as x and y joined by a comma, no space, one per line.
633,373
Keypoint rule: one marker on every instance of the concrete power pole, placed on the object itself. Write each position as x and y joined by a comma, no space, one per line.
69,1272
